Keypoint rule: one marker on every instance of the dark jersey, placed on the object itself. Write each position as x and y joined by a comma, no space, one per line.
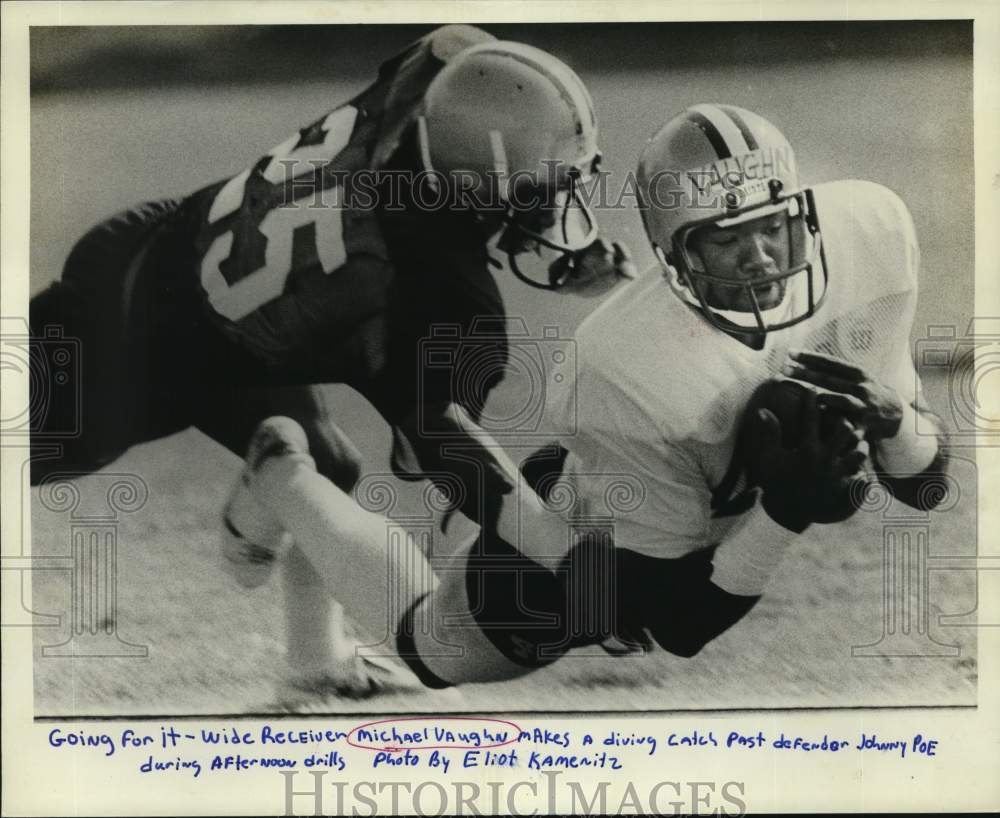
191,312
282,264
301,272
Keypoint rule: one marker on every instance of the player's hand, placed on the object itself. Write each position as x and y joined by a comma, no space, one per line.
594,270
868,403
812,481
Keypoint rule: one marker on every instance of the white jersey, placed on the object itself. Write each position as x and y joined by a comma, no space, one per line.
660,392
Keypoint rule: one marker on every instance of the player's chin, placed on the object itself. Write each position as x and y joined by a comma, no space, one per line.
766,296
769,296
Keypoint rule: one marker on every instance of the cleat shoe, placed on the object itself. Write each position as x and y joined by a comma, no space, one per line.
353,677
275,437
252,541
250,562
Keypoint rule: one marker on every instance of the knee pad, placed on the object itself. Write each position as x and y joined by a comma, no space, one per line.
496,615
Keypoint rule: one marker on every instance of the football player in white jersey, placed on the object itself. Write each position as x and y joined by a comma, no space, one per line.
759,277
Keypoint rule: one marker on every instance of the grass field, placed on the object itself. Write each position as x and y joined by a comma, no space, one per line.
216,649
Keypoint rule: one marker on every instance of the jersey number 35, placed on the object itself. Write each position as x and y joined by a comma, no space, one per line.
242,297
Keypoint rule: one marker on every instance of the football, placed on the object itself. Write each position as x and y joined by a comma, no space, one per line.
785,398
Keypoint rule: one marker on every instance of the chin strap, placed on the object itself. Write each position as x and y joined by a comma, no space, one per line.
775,315
560,271
795,299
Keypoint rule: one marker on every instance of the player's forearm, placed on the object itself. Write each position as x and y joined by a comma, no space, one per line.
681,607
707,613
911,464
714,588
745,560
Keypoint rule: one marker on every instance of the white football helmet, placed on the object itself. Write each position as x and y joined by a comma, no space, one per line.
722,165
503,119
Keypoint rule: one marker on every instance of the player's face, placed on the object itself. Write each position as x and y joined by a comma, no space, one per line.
744,253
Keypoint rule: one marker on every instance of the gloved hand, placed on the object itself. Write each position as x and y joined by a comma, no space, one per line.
594,270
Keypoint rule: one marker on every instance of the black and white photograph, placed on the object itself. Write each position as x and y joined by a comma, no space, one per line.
556,369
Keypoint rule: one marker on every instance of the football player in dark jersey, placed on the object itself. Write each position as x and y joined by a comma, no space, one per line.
329,260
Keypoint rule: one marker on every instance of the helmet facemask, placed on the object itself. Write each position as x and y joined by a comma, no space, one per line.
743,304
545,228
